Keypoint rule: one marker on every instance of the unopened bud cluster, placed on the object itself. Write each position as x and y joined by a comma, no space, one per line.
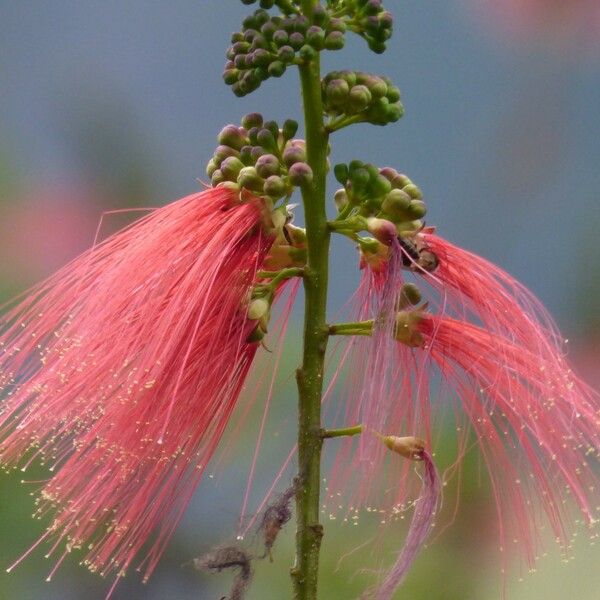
261,157
375,99
369,19
381,194
267,45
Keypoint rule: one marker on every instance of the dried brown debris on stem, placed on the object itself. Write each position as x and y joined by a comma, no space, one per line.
229,557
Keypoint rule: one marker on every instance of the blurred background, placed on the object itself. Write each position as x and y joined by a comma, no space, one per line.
116,104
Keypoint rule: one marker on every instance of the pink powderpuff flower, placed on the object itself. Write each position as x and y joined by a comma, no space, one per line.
537,423
121,372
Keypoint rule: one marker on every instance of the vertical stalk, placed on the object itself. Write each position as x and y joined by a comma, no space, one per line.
310,375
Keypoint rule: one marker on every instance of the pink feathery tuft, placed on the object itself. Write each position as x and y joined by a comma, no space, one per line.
420,526
381,382
121,372
538,426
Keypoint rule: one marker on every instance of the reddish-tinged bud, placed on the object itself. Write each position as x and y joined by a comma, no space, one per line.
359,98
233,136
294,154
267,165
382,230
300,174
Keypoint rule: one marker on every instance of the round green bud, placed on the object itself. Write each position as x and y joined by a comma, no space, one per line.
359,179
286,54
266,139
320,16
301,24
413,191
280,37
337,92
256,153
289,130
261,58
238,36
268,30
231,167
307,53
293,154
232,136
267,165
359,98
272,127
276,68
248,178
217,178
394,112
211,167
275,187
417,209
334,41
377,86
246,155
393,94
411,294
341,199
252,120
341,172
401,181
315,36
354,165
296,40
300,174
377,46
240,61
378,186
230,76
222,152
267,3
338,25
396,204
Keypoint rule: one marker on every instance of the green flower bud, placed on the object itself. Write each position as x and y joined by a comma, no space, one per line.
222,152
300,174
267,165
232,136
401,181
280,37
266,139
359,179
272,127
337,25
246,156
252,120
315,36
211,167
377,86
286,54
261,58
417,209
359,98
289,130
275,187
294,154
337,92
231,167
413,191
378,186
335,40
248,178
296,40
230,76
307,53
276,68
393,94
406,328
396,204
217,178
410,295
355,164
341,172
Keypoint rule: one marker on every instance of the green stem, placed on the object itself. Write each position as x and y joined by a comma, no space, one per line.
357,328
309,531
344,432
